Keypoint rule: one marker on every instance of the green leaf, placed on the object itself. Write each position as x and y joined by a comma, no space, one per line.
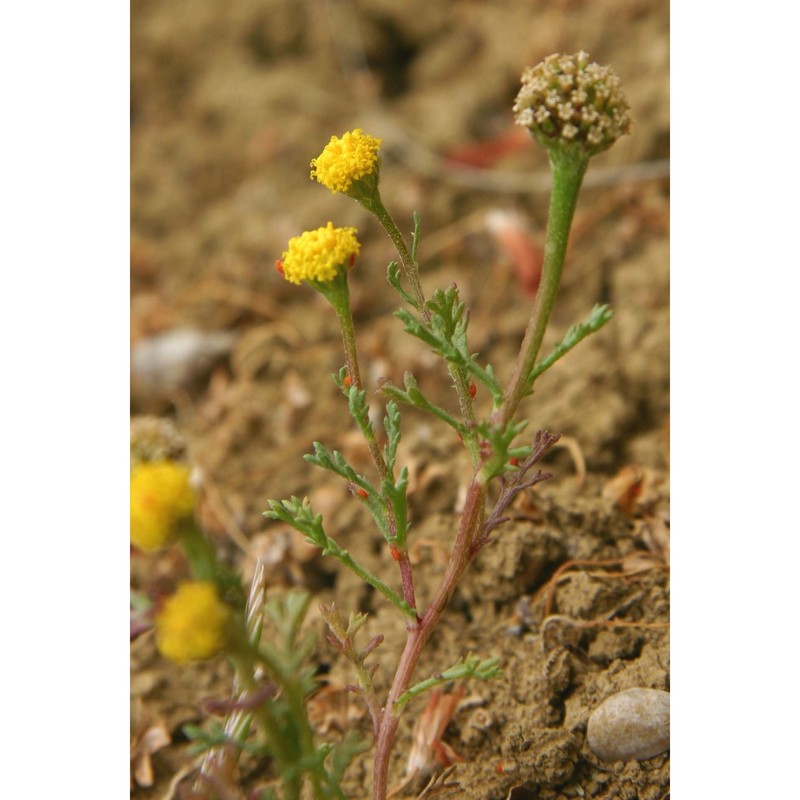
469,667
298,514
599,316
393,276
359,410
498,439
415,237
340,377
335,462
396,495
414,397
391,422
446,334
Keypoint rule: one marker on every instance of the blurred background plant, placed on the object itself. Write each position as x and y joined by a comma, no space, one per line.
205,618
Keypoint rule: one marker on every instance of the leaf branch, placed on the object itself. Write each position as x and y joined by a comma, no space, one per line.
598,317
468,667
298,515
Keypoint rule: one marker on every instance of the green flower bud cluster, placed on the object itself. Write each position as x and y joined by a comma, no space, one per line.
567,101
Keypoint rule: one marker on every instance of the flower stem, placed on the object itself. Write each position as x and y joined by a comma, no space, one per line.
409,264
338,294
200,553
411,271
471,523
568,170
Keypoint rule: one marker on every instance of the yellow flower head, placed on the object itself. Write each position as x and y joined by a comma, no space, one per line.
161,498
346,160
192,625
319,255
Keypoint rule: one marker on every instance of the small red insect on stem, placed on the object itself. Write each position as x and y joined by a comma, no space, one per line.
395,552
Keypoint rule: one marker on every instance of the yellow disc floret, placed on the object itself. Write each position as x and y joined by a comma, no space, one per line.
319,255
161,498
346,160
192,625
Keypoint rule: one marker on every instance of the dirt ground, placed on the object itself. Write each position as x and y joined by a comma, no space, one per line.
230,102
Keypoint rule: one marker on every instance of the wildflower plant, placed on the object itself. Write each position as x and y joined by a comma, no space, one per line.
209,616
574,109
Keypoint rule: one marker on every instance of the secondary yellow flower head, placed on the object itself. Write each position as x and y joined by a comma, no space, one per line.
192,625
161,498
319,255
345,161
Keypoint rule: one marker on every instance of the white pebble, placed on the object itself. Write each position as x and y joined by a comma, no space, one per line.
630,725
168,361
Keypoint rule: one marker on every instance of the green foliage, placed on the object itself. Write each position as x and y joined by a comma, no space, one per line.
446,334
393,275
278,703
335,462
498,453
468,667
392,494
395,494
415,238
395,271
213,736
391,422
289,736
299,515
412,396
286,614
598,317
356,401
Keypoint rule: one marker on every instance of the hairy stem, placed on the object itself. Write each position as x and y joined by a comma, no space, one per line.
409,264
568,171
340,300
470,526
351,360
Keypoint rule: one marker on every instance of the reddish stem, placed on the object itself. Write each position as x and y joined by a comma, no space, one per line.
407,579
471,522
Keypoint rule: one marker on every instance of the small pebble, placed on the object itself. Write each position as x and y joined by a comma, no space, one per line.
166,362
630,725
